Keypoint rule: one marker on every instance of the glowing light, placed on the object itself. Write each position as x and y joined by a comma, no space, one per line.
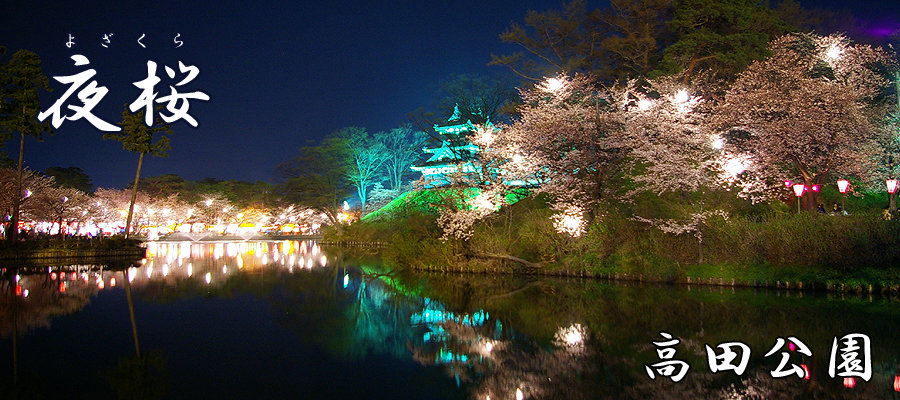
735,166
843,185
224,269
805,371
815,188
682,96
165,270
519,394
208,277
27,193
897,383
518,159
488,346
190,269
573,336
112,282
208,202
17,278
323,261
798,190
718,143
346,205
346,280
570,221
834,52
484,202
25,293
645,104
849,383
309,263
485,137
891,185
552,84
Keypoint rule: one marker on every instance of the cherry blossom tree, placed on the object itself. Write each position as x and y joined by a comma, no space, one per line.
567,140
805,114
672,150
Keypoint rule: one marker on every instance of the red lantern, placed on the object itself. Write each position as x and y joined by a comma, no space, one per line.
815,188
897,383
799,189
787,183
891,185
849,383
843,185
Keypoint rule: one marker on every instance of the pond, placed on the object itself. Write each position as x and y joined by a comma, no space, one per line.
289,319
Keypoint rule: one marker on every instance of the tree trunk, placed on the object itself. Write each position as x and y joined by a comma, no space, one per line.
14,221
137,176
134,332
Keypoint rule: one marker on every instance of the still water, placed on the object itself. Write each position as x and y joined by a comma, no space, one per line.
289,319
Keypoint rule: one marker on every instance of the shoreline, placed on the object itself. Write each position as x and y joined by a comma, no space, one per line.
842,285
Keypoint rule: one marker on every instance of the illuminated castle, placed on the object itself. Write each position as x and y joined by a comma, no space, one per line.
455,154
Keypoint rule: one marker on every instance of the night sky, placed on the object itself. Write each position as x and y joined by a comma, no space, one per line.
277,75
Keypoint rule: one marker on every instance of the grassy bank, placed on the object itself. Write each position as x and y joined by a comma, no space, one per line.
755,246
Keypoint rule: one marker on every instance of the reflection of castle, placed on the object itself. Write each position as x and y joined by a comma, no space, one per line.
462,343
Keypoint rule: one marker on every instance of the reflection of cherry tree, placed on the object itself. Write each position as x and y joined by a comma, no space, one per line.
477,349
43,304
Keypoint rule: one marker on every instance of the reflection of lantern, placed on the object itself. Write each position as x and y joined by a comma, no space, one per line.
805,371
849,383
843,185
897,383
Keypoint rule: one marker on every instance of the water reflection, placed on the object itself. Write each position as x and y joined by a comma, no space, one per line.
475,336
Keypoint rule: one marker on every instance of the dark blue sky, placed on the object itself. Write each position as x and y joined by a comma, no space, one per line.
277,75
